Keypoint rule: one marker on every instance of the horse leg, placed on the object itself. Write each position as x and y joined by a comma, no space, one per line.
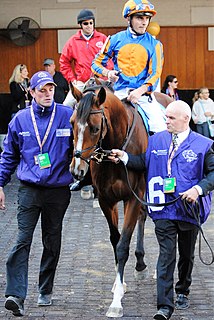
122,250
141,270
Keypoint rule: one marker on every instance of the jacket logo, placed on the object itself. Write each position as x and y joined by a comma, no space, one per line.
99,44
189,155
24,133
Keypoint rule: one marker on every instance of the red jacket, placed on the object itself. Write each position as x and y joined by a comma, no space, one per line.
79,53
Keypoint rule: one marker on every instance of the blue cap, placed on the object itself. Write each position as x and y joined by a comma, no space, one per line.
40,79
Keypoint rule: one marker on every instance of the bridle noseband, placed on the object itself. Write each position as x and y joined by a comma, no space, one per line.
98,153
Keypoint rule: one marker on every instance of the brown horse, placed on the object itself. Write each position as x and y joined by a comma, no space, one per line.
100,123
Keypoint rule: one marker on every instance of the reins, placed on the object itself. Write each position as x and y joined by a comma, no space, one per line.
192,210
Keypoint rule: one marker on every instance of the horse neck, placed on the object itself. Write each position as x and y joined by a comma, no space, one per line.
117,120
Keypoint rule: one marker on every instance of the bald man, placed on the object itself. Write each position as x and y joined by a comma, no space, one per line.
177,162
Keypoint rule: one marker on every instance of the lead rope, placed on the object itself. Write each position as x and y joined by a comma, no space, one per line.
195,213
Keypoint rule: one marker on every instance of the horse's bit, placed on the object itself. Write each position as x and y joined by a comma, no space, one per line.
98,154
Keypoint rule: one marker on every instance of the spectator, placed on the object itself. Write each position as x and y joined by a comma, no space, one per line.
39,142
170,87
62,88
138,60
177,162
202,111
79,51
195,97
19,88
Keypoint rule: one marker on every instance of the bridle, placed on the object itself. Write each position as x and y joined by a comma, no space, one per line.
97,153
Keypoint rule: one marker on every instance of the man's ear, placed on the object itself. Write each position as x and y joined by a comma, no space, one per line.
32,92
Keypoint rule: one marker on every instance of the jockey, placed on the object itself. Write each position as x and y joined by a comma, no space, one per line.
138,61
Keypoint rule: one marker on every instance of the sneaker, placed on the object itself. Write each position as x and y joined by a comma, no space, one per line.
163,314
16,305
44,300
86,193
181,302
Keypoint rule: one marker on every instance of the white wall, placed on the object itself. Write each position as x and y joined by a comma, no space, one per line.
62,13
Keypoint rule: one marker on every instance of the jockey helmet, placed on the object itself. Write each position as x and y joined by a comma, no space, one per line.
139,7
84,15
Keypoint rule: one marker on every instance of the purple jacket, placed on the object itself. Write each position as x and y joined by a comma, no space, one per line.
21,146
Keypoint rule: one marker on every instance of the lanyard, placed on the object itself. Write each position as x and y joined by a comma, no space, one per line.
41,143
173,148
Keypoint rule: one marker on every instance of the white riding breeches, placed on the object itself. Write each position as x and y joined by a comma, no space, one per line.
70,100
153,110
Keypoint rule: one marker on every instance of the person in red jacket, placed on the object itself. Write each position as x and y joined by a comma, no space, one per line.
78,53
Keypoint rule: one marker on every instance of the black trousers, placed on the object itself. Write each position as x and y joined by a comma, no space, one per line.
169,233
51,204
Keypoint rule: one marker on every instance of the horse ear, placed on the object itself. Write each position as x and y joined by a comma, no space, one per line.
73,117
98,81
101,97
76,93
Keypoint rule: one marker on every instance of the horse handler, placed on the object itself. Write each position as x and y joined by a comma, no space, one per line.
39,143
178,161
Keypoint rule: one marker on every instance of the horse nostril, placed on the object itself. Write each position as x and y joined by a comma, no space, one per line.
77,154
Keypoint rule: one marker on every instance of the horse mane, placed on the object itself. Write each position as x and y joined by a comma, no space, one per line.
84,107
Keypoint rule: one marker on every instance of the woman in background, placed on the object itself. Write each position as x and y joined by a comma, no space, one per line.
202,111
170,87
19,88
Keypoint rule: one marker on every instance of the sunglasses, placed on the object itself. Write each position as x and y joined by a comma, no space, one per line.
87,23
22,66
175,81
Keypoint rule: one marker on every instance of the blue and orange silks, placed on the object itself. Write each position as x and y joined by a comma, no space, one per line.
140,59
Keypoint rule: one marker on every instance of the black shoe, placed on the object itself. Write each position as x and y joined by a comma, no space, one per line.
44,300
16,305
76,186
163,314
181,302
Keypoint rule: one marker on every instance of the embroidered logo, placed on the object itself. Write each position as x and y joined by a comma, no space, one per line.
189,155
99,44
160,152
24,133
42,75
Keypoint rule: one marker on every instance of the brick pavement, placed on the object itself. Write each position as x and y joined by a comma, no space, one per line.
86,270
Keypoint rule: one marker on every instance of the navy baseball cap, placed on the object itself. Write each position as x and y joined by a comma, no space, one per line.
40,79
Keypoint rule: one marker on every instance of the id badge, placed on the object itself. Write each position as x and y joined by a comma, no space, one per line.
169,185
44,160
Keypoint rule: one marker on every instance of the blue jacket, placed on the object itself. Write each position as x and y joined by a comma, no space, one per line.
140,59
21,145
193,163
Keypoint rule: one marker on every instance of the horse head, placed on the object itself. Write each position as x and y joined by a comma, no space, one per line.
89,127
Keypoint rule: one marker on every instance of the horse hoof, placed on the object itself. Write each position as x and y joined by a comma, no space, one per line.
114,312
141,275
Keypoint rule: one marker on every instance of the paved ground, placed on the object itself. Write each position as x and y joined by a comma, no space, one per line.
86,269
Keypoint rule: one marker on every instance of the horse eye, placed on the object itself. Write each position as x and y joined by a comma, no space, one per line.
94,130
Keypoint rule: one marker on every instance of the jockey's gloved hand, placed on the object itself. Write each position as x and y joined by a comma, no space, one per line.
113,75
